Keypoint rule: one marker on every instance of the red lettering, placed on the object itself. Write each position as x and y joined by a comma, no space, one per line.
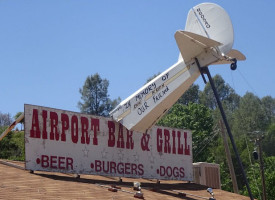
120,168
120,140
167,147
98,166
61,162
162,171
105,166
165,143
54,122
35,131
56,162
65,125
186,147
111,140
44,132
130,142
176,172
180,146
95,128
182,174
171,171
44,161
53,162
174,142
85,138
112,167
159,140
144,142
141,171
134,168
127,168
74,129
69,162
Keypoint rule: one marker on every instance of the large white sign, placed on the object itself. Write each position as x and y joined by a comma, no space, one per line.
69,142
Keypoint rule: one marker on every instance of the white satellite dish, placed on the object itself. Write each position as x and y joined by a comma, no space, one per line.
207,39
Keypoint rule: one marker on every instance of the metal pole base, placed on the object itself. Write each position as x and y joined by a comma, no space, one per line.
205,70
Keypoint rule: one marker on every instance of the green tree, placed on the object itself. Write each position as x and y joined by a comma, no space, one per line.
268,104
5,119
250,116
12,146
227,95
195,117
270,176
269,141
191,95
95,98
255,179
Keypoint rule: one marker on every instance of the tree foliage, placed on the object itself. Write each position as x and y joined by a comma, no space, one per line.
269,141
226,93
12,146
250,116
5,119
245,115
95,97
194,117
191,95
268,104
253,172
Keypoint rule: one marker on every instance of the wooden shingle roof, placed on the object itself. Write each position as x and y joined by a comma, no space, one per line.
17,183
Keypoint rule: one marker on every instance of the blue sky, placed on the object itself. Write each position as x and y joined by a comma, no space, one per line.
49,47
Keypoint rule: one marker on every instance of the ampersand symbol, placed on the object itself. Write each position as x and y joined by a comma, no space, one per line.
144,142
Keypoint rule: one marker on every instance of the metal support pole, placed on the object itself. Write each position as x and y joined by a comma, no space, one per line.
206,70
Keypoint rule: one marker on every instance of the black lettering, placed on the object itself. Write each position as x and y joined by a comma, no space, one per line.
146,91
143,108
207,25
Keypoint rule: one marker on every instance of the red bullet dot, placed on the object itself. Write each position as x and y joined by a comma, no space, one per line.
92,165
38,161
